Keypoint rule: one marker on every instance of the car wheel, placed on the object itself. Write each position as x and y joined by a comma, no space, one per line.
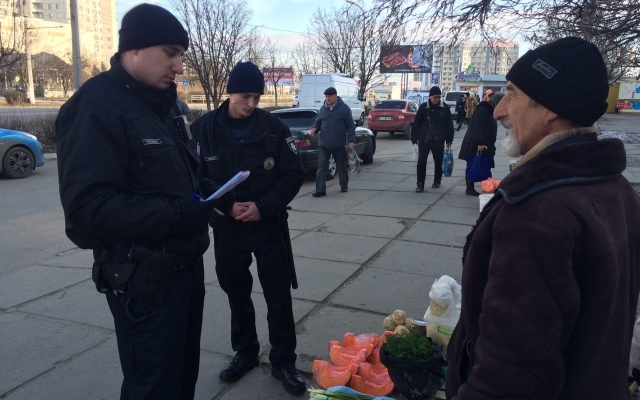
360,122
367,156
407,133
17,163
375,133
332,169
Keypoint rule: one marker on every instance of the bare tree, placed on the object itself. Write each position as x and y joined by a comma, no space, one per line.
451,21
218,35
276,69
304,59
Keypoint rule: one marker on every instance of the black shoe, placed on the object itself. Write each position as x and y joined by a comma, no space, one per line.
238,367
435,185
472,192
319,194
344,190
420,188
290,378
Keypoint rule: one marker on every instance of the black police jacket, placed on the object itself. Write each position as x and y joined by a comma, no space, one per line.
436,115
123,174
268,152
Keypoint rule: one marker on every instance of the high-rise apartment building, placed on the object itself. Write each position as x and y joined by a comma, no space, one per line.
49,26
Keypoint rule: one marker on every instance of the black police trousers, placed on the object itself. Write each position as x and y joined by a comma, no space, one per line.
437,148
159,346
233,250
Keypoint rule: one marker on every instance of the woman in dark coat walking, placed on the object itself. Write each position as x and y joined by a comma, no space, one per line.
481,135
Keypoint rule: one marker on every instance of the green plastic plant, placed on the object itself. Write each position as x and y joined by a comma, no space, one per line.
414,346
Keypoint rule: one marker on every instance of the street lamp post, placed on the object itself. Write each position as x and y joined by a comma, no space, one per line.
364,26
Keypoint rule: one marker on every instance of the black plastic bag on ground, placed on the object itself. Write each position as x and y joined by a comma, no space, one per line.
416,380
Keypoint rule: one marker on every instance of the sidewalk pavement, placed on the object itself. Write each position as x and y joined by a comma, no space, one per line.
359,256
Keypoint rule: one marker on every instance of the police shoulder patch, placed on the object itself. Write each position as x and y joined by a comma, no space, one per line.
292,145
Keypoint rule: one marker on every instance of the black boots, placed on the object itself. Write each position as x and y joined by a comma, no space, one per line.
420,188
471,191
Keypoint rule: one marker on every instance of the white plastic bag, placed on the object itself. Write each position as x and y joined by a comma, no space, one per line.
444,295
352,162
414,152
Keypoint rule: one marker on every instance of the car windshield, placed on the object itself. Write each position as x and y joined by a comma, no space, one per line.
298,119
390,105
453,96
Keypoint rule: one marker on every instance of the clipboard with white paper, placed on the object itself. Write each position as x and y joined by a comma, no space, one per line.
231,183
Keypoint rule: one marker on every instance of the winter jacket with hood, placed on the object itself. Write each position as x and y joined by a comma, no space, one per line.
427,114
550,279
335,126
482,130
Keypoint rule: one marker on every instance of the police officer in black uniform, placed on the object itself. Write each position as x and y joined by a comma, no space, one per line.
238,136
128,167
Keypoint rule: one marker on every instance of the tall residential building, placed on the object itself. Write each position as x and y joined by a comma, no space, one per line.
489,58
49,26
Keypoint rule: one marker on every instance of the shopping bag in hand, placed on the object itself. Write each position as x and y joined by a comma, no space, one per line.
447,163
414,152
478,168
353,162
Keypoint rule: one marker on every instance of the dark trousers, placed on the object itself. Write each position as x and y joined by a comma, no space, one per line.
437,148
160,353
340,157
461,118
233,250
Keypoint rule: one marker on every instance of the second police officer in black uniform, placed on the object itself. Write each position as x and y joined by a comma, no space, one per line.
238,136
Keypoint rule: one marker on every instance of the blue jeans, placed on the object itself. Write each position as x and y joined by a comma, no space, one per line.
340,156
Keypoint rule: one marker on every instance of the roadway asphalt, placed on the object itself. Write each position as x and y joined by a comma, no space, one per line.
359,256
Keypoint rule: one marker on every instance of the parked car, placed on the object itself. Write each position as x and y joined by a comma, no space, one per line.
392,116
20,153
301,120
295,102
312,87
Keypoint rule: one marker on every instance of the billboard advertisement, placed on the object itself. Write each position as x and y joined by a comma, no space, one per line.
410,58
284,76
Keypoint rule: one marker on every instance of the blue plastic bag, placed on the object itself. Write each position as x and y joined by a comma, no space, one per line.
447,163
478,168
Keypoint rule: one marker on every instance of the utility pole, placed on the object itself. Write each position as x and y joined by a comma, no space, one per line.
27,49
75,45
364,27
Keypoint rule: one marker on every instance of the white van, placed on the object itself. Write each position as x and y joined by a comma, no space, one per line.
312,87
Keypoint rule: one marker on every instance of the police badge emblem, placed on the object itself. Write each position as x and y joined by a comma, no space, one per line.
292,144
269,163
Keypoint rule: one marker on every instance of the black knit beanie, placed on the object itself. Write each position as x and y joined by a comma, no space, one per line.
149,25
569,65
435,91
245,77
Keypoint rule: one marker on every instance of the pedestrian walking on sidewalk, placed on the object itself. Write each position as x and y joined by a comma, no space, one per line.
551,270
128,168
235,137
431,129
481,135
336,129
461,113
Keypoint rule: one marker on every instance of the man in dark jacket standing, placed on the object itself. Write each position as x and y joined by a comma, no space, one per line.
481,135
336,128
432,127
127,170
551,269
236,137
461,112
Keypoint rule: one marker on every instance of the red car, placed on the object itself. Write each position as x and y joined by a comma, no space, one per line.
392,116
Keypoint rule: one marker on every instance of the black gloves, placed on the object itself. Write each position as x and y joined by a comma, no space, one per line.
191,215
225,203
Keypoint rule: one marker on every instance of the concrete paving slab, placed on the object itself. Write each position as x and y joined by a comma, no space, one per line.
307,220
293,233
216,325
80,303
32,282
384,209
31,346
383,177
209,258
333,203
458,201
366,226
331,323
395,167
406,197
316,278
209,385
358,191
421,259
337,247
466,216
269,387
98,369
437,233
382,291
75,258
366,184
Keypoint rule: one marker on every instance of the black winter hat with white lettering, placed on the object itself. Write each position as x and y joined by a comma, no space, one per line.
569,65
245,77
149,25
